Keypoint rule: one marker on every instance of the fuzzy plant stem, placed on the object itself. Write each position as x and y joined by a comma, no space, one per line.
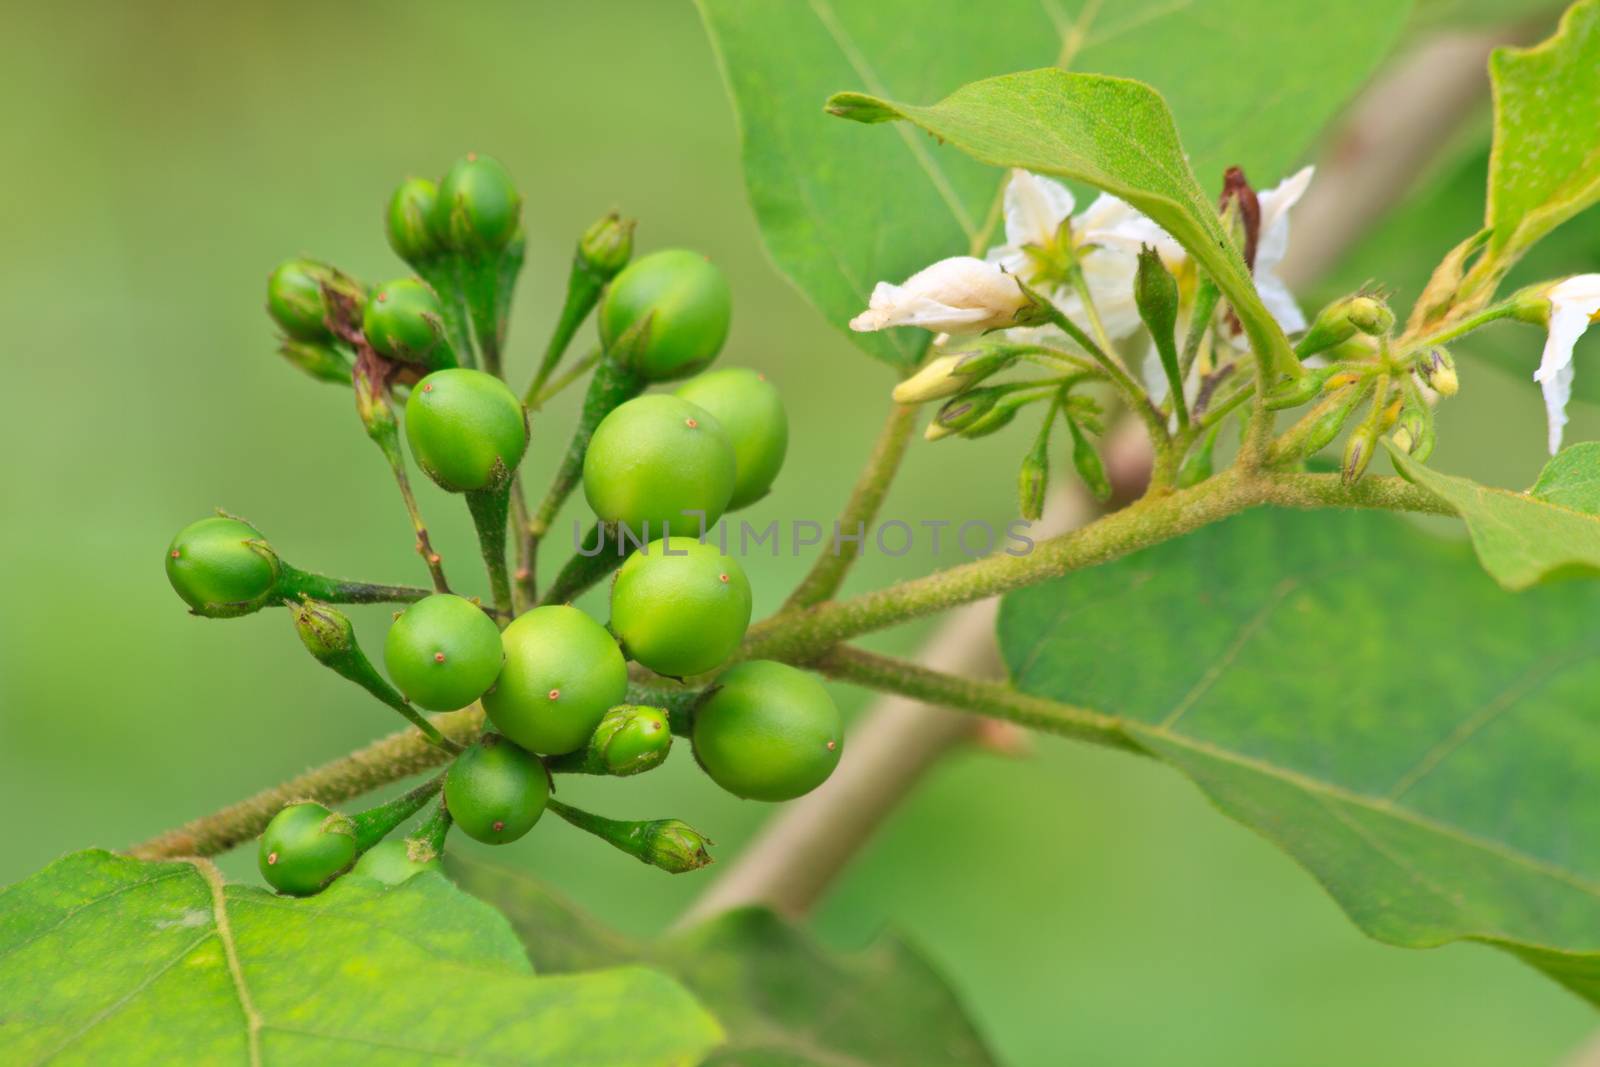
490,514
295,583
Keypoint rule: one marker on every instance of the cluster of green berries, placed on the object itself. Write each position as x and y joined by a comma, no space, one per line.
553,682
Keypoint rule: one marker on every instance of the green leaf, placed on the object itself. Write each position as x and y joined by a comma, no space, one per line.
1359,693
105,959
1572,478
784,1001
1523,538
840,211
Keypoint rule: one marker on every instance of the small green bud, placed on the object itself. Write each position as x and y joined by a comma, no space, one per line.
320,360
478,209
1089,466
1155,291
409,222
1296,391
325,631
950,374
606,246
222,567
1334,413
675,846
1437,370
1370,315
403,321
1033,477
633,739
964,411
1358,453
295,299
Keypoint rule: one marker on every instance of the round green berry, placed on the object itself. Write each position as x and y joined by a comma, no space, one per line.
222,567
767,731
479,208
687,299
751,413
408,221
657,460
467,430
495,790
443,652
636,739
391,862
305,847
563,671
295,299
403,320
680,607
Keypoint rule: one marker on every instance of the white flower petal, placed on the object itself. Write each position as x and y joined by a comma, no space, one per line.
1280,301
1273,242
1574,304
1035,208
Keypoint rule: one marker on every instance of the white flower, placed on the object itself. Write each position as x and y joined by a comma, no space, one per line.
1273,244
1574,304
957,295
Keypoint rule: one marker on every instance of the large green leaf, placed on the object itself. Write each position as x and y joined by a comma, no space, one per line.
1545,165
784,1000
1423,742
105,959
1250,82
1525,538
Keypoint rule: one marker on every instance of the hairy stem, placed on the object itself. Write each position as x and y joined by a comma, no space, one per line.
490,514
294,583
828,573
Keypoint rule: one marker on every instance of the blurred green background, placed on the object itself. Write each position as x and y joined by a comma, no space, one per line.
160,158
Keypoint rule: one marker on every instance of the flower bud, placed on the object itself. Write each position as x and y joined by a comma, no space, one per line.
403,321
1086,459
1155,291
965,410
606,246
478,209
1034,476
958,295
320,360
295,299
1296,391
950,374
675,846
1330,418
1357,454
1370,315
632,739
324,630
1438,371
408,222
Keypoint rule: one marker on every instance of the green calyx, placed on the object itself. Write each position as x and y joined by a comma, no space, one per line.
222,567
305,847
606,246
750,411
296,301
658,462
680,607
686,299
767,731
404,321
495,790
467,431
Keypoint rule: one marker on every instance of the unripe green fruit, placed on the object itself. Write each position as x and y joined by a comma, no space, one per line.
466,429
304,847
408,222
680,607
218,572
403,320
495,791
767,731
295,300
751,413
443,652
639,740
390,862
479,208
688,299
654,460
562,672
